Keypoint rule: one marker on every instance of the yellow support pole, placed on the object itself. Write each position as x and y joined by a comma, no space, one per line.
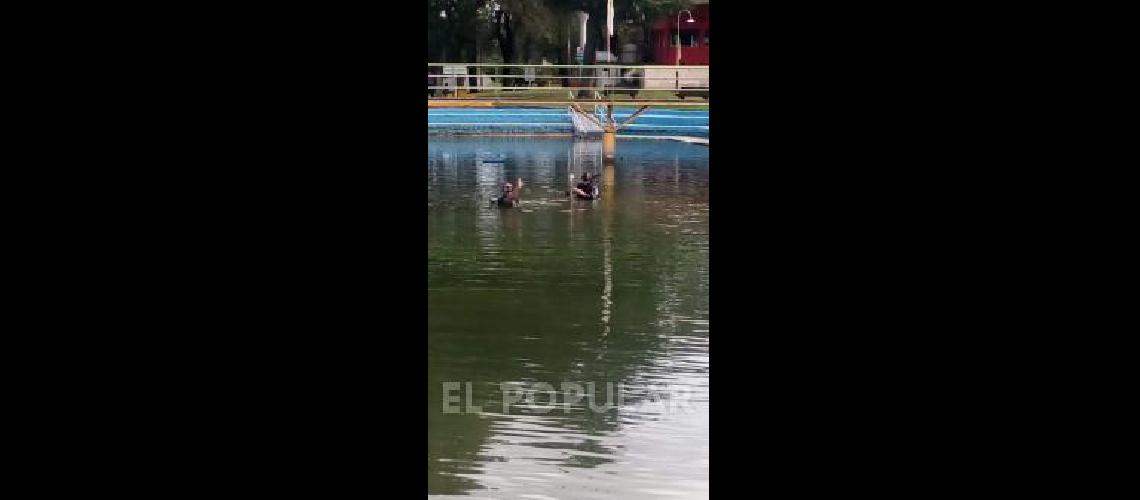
609,142
609,134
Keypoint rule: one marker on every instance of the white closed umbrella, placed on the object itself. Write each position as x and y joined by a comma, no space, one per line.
610,18
582,18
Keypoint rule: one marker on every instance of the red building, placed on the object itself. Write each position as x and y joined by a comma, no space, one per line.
694,38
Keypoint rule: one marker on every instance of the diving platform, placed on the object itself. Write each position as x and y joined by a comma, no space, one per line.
584,125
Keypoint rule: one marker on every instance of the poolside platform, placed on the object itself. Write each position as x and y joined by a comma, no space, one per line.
700,141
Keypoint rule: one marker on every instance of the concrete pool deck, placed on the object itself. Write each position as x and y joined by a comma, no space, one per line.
700,141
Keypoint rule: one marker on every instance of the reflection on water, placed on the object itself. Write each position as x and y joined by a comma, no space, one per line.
587,292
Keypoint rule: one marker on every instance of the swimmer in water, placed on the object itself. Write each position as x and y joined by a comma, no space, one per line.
510,196
587,188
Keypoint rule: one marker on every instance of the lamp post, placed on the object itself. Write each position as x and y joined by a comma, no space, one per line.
690,20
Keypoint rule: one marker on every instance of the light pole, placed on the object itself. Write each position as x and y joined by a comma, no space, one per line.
690,20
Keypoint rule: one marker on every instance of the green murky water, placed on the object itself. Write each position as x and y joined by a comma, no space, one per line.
612,293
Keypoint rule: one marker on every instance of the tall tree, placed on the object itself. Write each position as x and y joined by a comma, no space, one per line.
453,27
535,24
505,33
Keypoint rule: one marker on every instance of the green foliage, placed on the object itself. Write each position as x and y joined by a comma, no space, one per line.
530,30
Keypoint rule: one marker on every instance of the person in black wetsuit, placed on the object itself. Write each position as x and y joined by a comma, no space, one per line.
587,188
510,196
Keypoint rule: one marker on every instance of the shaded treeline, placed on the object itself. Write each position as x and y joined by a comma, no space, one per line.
528,31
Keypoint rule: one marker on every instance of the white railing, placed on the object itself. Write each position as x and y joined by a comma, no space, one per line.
445,79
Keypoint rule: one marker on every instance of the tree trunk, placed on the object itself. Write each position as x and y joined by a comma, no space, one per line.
505,35
527,46
647,48
599,35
